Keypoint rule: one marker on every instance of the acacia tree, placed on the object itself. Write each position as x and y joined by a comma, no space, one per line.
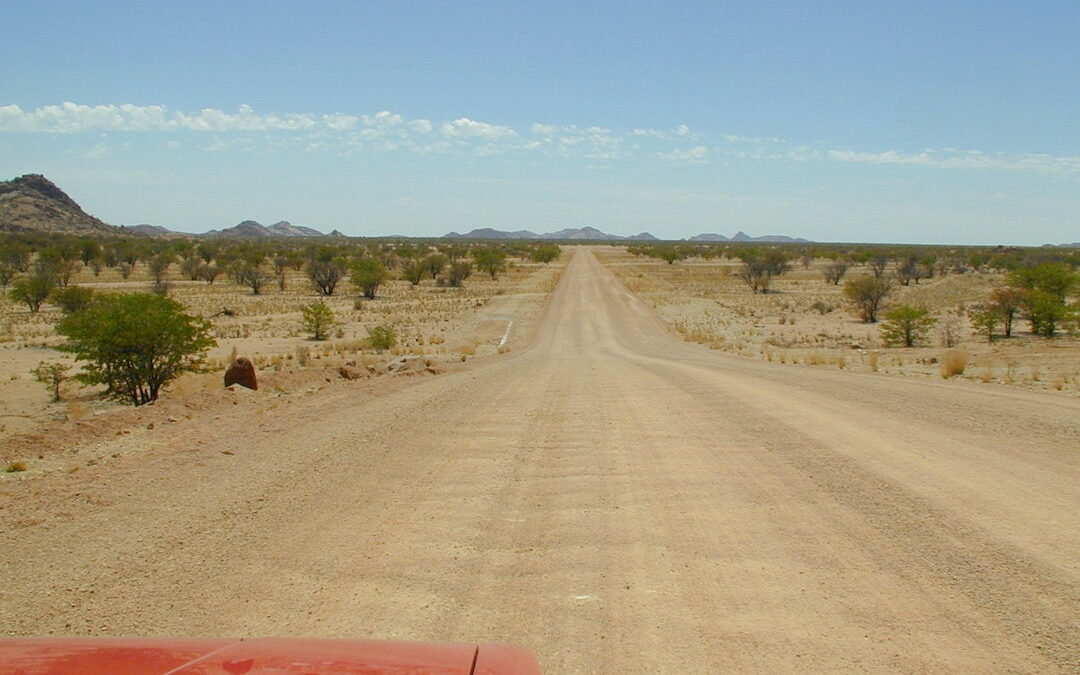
906,325
367,275
489,260
867,294
135,343
325,275
834,272
33,290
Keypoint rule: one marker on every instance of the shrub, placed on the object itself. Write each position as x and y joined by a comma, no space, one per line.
317,319
459,272
134,344
71,299
53,375
413,272
435,264
953,363
545,253
867,294
382,337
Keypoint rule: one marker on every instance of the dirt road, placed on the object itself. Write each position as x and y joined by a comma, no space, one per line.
615,499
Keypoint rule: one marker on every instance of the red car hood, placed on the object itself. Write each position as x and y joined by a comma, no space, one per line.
152,656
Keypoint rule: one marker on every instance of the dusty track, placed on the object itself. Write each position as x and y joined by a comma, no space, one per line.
613,498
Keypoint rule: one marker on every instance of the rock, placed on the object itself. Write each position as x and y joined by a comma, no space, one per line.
407,364
351,373
242,372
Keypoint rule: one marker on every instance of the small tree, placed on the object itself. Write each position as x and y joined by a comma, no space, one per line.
135,343
435,263
367,275
53,375
33,290
756,276
489,260
317,319
7,273
325,275
986,322
1045,312
867,294
413,272
209,272
834,272
159,266
1005,303
459,271
906,325
252,275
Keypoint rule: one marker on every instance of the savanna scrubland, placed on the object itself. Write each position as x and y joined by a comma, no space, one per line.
804,319
423,308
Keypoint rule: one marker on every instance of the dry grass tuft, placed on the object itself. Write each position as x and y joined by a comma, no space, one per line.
953,363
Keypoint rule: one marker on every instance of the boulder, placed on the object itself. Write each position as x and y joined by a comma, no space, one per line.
242,372
351,372
409,364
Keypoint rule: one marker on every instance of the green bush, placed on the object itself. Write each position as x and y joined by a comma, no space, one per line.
317,319
382,337
906,325
134,344
367,275
33,290
71,299
545,253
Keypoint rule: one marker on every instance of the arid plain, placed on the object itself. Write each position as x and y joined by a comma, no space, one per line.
605,493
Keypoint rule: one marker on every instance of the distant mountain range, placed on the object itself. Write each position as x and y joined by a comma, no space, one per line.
593,234
568,234
250,229
32,203
743,237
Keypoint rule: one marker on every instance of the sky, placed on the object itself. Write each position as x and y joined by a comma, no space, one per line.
940,122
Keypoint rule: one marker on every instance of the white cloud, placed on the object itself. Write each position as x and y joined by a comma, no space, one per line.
695,155
465,127
964,159
389,131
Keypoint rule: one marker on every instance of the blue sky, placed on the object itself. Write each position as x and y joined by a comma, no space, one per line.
943,122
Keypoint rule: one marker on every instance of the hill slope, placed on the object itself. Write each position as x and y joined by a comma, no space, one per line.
33,203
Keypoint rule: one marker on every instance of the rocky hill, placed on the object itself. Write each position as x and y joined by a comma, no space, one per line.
568,234
33,203
250,229
743,237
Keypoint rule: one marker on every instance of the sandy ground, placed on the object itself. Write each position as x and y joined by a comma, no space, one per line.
607,495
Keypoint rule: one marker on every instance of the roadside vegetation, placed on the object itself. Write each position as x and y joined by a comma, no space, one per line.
989,314
290,305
